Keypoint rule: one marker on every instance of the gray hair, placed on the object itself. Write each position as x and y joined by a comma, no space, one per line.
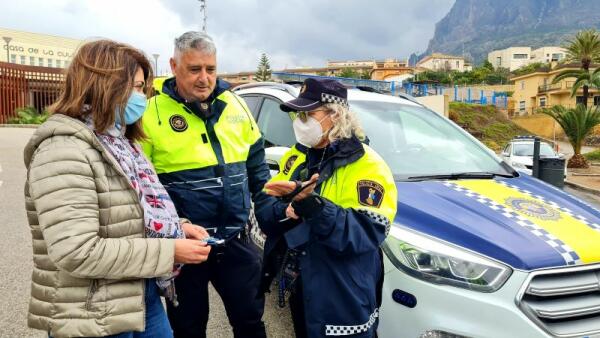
195,40
345,122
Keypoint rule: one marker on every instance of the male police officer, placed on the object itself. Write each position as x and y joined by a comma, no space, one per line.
208,152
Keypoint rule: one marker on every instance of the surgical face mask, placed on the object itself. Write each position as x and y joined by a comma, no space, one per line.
308,133
136,105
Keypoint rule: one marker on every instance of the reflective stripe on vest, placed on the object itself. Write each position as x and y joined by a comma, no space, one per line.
179,140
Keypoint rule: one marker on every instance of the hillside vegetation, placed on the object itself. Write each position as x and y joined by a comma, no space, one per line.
486,123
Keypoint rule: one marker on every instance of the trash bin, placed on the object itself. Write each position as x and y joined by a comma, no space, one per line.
552,170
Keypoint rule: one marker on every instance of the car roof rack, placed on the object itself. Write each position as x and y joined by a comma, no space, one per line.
525,137
275,85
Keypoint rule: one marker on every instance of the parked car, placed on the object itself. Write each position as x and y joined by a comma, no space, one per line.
476,249
519,153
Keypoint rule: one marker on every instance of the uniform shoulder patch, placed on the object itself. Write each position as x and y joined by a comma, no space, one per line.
289,164
178,123
370,193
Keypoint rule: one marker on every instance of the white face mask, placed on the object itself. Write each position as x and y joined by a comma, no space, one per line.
308,133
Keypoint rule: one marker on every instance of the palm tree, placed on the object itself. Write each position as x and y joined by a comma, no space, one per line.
584,49
589,79
577,123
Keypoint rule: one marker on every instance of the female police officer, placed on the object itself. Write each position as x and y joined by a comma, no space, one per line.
332,229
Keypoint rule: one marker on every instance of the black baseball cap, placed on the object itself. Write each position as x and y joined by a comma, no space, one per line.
316,92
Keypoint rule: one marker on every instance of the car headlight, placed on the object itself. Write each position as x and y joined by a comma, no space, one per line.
518,165
437,262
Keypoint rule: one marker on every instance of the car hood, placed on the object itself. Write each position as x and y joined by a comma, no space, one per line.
520,221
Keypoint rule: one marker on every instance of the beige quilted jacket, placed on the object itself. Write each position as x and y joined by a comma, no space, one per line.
89,253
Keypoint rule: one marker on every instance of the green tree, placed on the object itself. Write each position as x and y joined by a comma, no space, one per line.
577,123
584,48
354,74
263,73
585,78
532,68
488,65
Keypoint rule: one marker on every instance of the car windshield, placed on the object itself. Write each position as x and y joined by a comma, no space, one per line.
526,149
415,141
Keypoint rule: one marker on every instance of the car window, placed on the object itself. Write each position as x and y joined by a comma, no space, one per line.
506,149
415,141
253,103
526,149
275,124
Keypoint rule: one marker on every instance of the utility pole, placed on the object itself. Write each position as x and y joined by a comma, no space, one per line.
7,40
155,63
203,12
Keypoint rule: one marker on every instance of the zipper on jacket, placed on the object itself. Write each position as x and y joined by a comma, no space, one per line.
92,290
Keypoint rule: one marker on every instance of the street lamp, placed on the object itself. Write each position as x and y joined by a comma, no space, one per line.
155,63
7,40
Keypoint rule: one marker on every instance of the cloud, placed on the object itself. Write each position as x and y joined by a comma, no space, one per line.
293,32
309,32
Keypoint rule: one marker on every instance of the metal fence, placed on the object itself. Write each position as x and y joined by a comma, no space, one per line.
384,86
27,86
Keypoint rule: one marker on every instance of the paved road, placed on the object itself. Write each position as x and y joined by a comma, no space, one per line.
16,263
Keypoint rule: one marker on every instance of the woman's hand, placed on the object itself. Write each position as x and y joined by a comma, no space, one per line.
191,251
194,231
283,188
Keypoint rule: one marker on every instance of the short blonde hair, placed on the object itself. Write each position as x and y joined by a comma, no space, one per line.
345,122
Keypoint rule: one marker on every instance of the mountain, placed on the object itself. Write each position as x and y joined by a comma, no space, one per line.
476,27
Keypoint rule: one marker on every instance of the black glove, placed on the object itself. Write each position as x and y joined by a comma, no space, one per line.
309,207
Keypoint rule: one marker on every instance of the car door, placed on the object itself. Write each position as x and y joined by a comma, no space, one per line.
275,125
254,102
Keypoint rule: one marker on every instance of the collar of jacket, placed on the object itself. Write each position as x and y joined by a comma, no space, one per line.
340,153
221,86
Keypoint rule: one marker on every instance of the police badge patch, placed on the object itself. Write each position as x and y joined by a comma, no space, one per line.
289,163
178,123
370,193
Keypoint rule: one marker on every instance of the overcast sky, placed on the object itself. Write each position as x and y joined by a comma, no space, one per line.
293,33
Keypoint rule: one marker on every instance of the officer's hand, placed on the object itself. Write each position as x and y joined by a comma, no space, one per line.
282,188
191,251
194,231
289,212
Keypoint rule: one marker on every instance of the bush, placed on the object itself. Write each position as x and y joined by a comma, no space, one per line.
29,115
593,156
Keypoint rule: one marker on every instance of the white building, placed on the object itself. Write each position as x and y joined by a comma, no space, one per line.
517,57
437,61
36,49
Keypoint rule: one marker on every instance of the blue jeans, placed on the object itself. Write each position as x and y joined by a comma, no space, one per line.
157,324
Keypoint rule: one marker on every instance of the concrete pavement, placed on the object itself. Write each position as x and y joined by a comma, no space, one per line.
16,259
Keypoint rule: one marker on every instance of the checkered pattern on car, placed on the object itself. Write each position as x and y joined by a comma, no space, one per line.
555,205
328,98
378,218
347,330
567,253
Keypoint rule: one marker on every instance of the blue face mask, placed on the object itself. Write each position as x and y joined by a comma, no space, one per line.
136,105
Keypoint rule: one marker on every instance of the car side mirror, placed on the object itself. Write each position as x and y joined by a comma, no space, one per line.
273,156
561,155
505,154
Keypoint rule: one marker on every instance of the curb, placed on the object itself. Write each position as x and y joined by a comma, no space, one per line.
19,125
582,188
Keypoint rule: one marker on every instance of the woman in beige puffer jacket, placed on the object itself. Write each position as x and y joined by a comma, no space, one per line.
91,255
